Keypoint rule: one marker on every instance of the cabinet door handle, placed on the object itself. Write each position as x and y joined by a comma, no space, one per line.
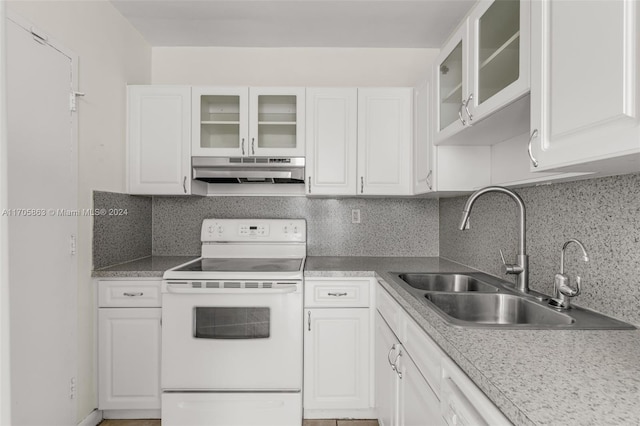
395,364
429,180
393,348
466,107
337,294
309,184
184,184
534,135
242,146
309,319
462,120
136,294
362,184
253,146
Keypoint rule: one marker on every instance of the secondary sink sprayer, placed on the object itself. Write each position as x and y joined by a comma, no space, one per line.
521,267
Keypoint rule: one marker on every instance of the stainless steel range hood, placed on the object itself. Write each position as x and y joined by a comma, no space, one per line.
248,170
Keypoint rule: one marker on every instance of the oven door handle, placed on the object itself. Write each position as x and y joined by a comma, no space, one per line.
179,289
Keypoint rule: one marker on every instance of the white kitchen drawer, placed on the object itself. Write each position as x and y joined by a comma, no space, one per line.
424,351
390,311
336,293
129,294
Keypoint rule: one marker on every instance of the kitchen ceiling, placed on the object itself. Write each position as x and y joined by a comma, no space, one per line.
295,23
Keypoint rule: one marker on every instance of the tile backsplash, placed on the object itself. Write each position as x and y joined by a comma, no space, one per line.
603,213
120,237
389,227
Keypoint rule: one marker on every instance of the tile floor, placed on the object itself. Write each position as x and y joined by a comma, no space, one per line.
323,422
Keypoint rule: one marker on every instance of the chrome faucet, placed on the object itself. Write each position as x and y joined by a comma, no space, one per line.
561,289
521,267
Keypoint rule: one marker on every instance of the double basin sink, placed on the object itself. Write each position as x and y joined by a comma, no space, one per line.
482,301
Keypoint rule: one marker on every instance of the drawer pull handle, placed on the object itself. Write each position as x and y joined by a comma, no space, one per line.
337,294
139,293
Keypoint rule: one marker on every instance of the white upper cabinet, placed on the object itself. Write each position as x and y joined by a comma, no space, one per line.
158,139
276,121
385,139
423,161
499,63
481,72
220,121
248,122
332,132
451,84
585,86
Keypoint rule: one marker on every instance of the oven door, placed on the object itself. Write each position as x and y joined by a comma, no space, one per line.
232,339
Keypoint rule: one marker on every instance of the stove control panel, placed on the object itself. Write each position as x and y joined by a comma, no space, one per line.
268,230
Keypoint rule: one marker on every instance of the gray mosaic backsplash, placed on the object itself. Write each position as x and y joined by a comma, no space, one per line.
119,238
389,227
602,213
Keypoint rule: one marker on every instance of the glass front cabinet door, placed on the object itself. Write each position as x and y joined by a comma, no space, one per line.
247,122
452,85
499,65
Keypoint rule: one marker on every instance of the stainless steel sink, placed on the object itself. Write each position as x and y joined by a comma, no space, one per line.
496,309
446,282
478,300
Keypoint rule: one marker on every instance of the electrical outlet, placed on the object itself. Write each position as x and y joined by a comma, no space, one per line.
355,216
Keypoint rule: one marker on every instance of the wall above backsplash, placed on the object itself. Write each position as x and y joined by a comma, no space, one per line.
389,227
603,213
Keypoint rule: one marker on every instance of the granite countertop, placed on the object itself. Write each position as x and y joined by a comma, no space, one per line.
536,377
152,266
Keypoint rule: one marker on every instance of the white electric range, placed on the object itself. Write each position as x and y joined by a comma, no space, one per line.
232,327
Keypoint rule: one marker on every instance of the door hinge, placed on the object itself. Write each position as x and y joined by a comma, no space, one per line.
73,100
73,246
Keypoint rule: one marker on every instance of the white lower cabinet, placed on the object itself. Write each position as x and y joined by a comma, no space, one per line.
416,383
403,396
338,353
129,346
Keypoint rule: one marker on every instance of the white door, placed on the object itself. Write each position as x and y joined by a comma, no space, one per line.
385,141
159,141
332,138
220,121
336,362
129,358
387,390
585,104
42,174
276,121
419,405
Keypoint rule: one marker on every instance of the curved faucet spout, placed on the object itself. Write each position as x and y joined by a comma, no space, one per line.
522,266
466,212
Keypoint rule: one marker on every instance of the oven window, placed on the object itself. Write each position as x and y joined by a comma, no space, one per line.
212,322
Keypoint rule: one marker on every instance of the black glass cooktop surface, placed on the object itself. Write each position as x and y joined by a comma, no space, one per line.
243,265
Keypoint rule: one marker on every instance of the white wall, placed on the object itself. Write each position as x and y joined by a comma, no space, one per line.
5,395
227,66
111,55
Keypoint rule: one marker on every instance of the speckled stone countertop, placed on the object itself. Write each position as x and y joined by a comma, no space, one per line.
152,266
536,377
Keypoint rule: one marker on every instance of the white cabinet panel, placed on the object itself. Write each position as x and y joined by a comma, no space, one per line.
584,85
336,293
336,367
419,405
159,154
129,358
332,118
385,141
387,390
129,294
